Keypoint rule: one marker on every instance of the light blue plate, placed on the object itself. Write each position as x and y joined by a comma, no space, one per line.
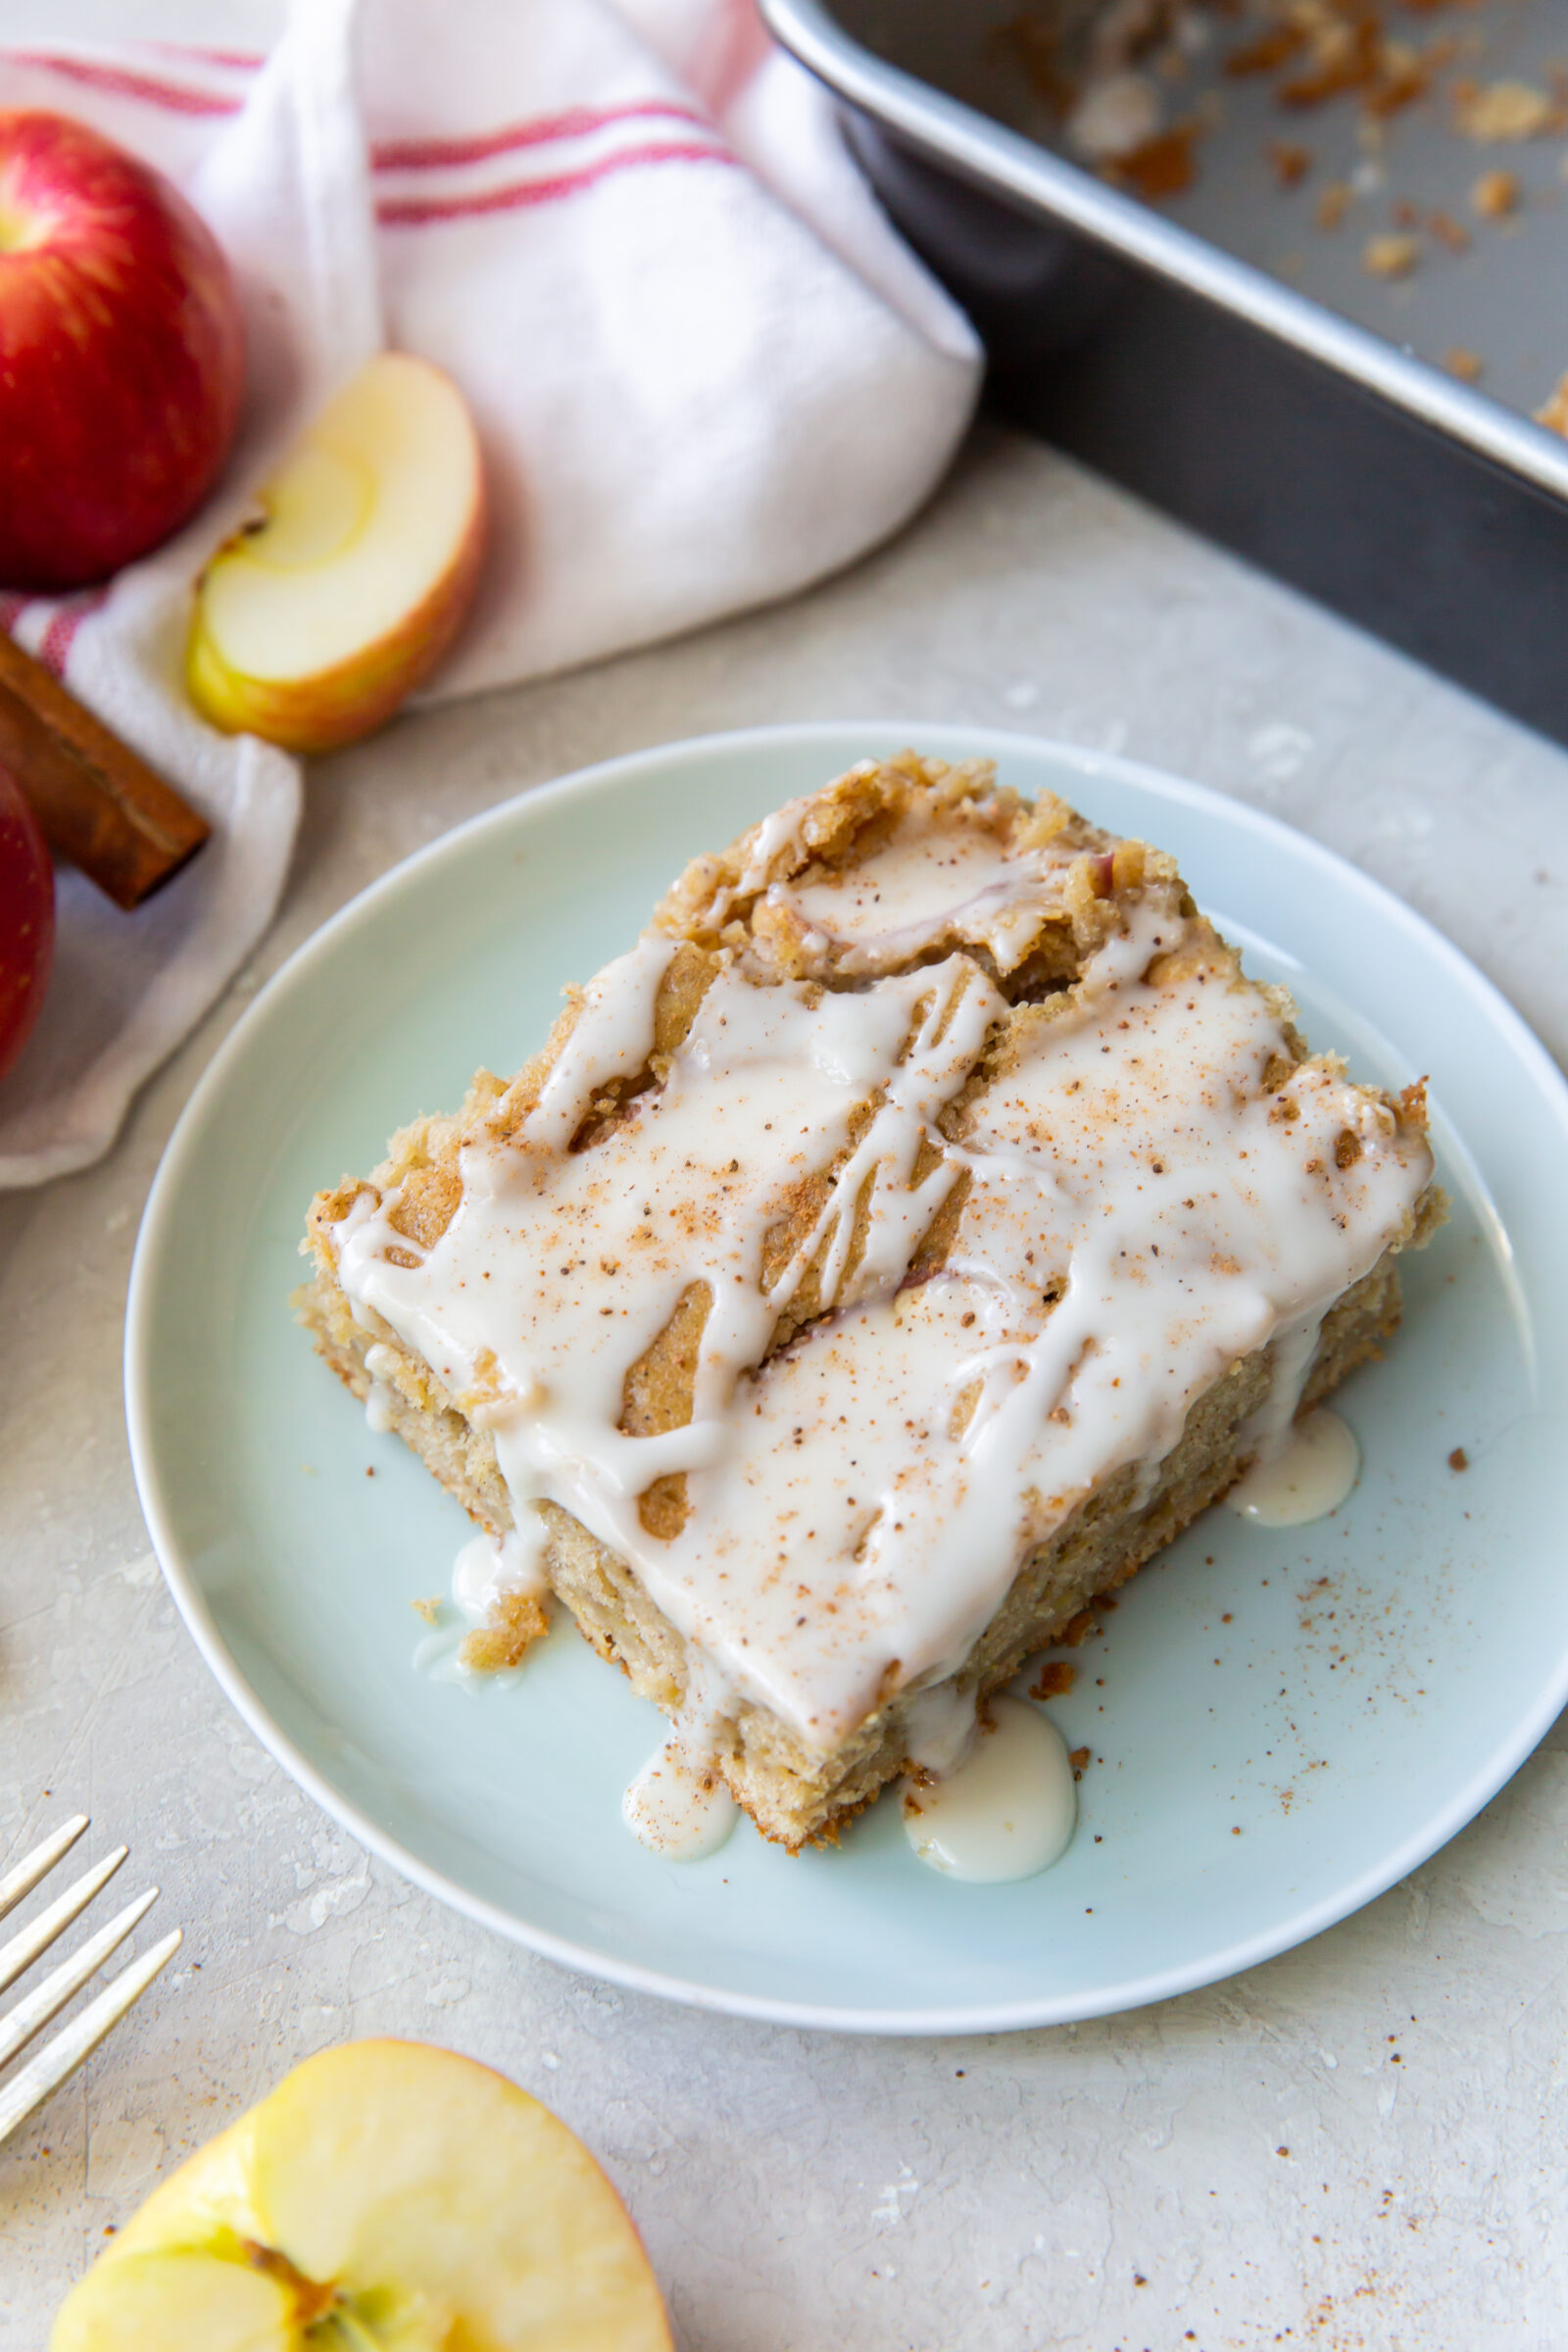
1281,1724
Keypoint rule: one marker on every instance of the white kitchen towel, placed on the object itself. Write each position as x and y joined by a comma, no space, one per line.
704,374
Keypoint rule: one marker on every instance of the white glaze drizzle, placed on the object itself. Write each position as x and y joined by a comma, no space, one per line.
563,1268
1139,1216
486,1569
956,881
678,1805
381,1399
612,1038
941,1726
489,1567
779,832
437,1654
1007,1811
1307,1477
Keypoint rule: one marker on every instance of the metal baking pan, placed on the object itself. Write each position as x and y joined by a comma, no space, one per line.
1229,361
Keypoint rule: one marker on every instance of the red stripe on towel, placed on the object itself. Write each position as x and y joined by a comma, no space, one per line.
244,61
175,97
425,155
61,634
414,212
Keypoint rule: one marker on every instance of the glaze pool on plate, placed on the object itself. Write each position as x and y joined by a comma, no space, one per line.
1343,1695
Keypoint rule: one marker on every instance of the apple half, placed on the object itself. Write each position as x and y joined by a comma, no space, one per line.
385,2197
314,621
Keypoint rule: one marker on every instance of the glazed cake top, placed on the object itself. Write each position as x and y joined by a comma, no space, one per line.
916,1170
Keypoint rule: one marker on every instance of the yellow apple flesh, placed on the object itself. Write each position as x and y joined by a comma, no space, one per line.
313,624
386,2197
152,2302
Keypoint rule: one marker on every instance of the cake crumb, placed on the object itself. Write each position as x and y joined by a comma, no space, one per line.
1465,365
1078,1758
1292,162
1114,116
1448,232
1495,195
429,1609
1333,203
1055,1679
1508,111
1163,165
1389,256
519,1621
1554,415
1274,48
1459,1459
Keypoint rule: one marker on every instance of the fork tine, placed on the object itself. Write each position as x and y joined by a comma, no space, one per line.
61,2057
46,2000
42,1859
23,1949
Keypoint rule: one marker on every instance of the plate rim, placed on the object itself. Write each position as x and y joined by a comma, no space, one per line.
950,738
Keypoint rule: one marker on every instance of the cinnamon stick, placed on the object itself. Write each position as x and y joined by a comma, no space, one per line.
98,801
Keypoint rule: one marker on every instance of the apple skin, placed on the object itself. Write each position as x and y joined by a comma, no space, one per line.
26,919
338,706
122,355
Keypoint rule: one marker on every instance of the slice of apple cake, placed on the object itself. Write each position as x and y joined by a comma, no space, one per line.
901,1243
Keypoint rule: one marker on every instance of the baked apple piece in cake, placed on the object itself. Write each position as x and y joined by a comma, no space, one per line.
901,1243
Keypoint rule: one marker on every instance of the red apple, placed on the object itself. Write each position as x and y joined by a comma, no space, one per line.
26,919
122,355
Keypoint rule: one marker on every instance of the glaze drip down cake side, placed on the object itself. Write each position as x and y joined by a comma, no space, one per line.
901,1243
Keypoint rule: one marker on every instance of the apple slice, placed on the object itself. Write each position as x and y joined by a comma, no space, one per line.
386,2197
177,2296
312,624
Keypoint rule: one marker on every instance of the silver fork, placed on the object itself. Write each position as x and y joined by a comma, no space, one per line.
61,2057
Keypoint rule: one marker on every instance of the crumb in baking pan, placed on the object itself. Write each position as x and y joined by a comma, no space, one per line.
1334,202
1503,111
1553,411
1495,195
1393,255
